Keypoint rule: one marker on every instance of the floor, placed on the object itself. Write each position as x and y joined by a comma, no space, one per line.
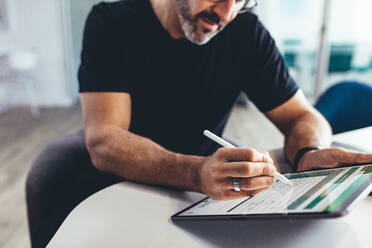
22,138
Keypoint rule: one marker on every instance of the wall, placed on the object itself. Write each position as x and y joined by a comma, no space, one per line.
38,24
301,19
292,19
76,14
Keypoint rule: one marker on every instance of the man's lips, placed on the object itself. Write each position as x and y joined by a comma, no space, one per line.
209,24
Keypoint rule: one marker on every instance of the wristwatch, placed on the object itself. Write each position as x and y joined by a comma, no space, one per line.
300,153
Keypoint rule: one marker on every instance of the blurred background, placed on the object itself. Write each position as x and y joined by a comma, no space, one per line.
300,27
323,42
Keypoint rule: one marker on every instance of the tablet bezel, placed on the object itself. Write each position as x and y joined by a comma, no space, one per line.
359,194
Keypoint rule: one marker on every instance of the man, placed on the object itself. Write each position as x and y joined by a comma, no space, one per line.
154,74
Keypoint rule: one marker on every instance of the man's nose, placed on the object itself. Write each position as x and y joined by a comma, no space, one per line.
225,10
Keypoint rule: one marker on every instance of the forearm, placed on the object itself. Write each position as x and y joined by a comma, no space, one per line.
311,129
136,158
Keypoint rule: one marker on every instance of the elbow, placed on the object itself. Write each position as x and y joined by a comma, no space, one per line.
97,150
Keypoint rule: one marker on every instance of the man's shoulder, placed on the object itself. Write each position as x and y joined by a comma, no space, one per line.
118,12
244,22
242,31
247,18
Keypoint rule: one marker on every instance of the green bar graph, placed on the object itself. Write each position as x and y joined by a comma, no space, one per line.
331,174
333,186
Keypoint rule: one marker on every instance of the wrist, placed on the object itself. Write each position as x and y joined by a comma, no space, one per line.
193,166
302,154
304,163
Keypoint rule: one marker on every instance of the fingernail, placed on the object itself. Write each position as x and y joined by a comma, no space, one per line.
268,157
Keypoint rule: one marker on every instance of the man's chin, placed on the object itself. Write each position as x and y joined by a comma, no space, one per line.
201,38
199,34
200,42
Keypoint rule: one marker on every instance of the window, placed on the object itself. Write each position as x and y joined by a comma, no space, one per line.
296,27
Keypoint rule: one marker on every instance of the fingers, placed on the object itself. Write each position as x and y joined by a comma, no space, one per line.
267,154
342,156
243,154
332,157
255,169
247,169
249,184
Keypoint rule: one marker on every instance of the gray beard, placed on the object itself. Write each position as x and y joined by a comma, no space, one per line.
189,24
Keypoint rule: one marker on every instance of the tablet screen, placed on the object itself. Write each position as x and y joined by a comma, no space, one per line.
314,191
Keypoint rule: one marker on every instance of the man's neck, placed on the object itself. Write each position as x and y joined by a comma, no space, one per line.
167,15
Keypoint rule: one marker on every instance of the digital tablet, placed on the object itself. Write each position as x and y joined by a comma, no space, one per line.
315,194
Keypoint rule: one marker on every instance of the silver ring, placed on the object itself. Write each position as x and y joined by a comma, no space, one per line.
236,184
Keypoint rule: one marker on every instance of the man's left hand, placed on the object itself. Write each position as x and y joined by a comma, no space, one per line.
330,158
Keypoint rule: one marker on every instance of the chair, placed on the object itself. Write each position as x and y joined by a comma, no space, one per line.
347,106
16,68
341,58
291,47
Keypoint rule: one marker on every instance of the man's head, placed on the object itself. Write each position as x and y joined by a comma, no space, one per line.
201,20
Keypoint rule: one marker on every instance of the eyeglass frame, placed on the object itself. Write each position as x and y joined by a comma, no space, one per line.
246,8
248,5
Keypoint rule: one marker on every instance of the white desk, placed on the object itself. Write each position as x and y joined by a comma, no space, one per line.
134,215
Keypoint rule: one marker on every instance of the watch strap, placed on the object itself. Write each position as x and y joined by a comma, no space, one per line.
300,153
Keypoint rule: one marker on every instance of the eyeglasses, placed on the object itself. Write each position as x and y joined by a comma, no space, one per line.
248,5
242,5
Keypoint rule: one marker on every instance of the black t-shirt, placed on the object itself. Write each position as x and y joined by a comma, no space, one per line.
177,88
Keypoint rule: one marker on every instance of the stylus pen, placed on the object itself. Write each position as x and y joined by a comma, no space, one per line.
224,143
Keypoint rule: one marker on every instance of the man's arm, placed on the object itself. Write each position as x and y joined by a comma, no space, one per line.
304,126
114,149
301,124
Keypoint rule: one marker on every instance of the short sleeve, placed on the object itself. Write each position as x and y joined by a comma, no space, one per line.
269,83
103,65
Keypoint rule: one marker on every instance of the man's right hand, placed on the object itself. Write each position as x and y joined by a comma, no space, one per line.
255,171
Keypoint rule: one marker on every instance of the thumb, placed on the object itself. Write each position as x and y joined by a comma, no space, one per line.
268,157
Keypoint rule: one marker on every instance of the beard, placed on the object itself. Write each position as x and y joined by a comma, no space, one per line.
189,23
